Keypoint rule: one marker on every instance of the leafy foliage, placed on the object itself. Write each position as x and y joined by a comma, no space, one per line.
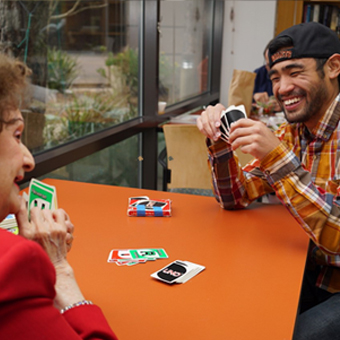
63,69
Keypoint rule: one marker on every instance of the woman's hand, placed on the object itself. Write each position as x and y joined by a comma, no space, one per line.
53,230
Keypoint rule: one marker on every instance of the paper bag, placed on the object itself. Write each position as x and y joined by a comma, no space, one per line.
241,89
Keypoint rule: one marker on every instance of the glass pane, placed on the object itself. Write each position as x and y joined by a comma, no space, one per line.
185,42
115,165
84,58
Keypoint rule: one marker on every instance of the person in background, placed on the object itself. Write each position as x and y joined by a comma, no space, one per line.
300,162
263,90
39,296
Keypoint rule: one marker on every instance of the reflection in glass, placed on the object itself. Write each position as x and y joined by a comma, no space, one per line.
84,58
184,49
115,165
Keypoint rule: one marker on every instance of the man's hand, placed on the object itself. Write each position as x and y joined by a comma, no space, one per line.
252,137
210,121
261,97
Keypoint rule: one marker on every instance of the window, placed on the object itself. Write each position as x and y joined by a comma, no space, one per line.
84,57
185,48
101,67
108,166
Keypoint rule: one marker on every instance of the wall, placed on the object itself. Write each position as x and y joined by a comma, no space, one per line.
245,36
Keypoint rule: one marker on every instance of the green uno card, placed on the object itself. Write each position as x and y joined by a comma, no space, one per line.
150,254
41,195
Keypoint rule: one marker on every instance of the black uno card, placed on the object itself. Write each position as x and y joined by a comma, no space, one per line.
224,125
171,272
232,116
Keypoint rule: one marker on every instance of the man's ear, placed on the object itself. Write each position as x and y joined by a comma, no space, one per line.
333,65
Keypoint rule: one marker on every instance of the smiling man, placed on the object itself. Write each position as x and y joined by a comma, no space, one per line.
300,162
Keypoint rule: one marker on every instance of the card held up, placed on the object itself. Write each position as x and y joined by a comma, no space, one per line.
229,116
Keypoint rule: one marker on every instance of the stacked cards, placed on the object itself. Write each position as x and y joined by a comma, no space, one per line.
39,195
130,257
10,224
228,116
143,206
42,195
178,272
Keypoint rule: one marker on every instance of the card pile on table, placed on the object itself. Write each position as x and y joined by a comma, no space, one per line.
142,206
130,257
178,272
228,116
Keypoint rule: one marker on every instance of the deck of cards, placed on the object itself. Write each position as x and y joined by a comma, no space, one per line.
41,195
143,206
229,116
130,257
10,224
178,272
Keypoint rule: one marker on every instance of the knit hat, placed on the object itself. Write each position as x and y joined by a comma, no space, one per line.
309,40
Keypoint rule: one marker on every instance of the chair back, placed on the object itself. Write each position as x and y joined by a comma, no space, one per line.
187,157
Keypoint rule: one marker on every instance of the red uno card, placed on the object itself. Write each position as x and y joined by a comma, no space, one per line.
145,207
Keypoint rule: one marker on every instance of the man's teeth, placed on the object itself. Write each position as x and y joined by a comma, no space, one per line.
291,101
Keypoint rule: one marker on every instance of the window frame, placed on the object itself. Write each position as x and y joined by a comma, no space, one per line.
147,124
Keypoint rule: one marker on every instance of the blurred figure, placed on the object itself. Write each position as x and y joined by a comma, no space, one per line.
263,89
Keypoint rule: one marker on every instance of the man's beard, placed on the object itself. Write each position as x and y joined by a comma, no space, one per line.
317,97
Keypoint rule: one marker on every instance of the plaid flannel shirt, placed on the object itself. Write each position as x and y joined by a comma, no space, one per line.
304,172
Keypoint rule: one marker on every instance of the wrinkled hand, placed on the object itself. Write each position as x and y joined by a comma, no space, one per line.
252,137
210,121
53,230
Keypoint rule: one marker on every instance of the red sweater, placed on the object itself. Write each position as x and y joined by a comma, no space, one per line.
27,279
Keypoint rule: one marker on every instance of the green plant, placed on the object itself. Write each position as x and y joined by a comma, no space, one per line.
82,114
122,70
168,76
88,113
63,69
121,73
127,63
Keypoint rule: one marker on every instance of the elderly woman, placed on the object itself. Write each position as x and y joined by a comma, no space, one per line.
39,296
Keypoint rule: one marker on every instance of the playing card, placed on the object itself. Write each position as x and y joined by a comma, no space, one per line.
149,254
134,256
10,224
231,115
143,206
128,262
41,195
223,128
119,254
178,272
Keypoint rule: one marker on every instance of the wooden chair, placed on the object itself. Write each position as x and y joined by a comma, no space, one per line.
187,159
186,167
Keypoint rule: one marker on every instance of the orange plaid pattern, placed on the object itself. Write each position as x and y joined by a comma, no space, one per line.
304,172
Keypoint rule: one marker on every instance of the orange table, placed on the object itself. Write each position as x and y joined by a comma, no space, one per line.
254,263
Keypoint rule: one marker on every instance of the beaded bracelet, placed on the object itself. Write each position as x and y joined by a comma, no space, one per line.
77,304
